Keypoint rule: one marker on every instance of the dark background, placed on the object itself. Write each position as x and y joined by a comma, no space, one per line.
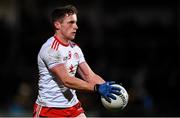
132,42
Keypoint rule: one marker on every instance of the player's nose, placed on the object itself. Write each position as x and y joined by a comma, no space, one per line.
75,26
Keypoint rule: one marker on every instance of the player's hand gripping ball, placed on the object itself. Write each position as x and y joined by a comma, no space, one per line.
120,102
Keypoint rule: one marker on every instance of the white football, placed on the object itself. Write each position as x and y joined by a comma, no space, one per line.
120,102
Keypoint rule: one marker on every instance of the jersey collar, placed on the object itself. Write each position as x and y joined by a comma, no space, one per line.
56,38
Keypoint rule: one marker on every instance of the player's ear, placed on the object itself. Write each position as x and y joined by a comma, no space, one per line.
57,25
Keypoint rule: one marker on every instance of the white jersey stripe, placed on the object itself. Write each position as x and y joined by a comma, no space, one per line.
57,46
52,46
38,110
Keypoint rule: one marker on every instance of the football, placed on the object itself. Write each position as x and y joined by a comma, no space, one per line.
120,102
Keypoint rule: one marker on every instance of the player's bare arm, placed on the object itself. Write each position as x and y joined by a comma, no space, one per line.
61,73
88,75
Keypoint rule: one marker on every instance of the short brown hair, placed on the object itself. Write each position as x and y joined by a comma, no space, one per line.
59,13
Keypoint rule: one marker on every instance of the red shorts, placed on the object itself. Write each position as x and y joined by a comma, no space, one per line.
40,111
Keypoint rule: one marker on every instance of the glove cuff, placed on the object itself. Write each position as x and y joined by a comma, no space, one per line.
96,88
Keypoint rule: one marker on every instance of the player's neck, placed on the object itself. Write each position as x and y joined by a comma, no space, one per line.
61,39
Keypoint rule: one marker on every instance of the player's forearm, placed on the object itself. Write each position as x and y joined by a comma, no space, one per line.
98,79
94,79
78,84
88,75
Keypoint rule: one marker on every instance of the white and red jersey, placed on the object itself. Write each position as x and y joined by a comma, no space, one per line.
52,93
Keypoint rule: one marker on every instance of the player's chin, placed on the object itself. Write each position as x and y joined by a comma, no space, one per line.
72,37
73,34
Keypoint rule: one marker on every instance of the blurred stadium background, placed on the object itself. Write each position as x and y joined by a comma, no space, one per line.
133,42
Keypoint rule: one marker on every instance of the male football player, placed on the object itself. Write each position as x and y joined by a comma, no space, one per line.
58,60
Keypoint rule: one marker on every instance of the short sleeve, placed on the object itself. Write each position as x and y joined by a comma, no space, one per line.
53,58
81,56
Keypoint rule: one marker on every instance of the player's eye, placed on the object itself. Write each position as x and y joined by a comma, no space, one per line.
72,22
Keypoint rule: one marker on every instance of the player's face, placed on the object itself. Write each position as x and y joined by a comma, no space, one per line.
69,27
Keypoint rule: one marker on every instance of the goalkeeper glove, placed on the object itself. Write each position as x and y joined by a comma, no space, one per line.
107,91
